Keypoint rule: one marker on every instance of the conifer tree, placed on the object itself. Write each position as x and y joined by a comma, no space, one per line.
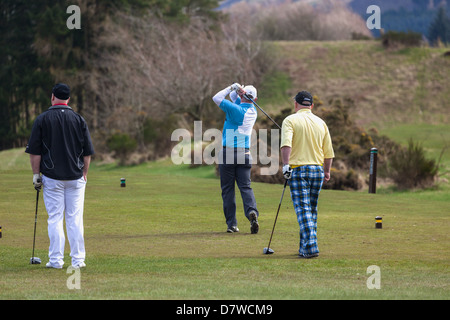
440,27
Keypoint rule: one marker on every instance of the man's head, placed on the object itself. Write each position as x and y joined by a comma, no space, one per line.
60,93
304,99
251,92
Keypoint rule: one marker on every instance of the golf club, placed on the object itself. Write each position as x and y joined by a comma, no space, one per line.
35,260
268,250
250,98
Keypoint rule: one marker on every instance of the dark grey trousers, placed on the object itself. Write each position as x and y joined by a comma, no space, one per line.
235,167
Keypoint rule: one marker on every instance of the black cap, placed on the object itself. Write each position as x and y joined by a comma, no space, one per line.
304,98
61,91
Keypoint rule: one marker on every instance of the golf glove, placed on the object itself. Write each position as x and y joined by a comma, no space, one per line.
37,181
287,171
236,86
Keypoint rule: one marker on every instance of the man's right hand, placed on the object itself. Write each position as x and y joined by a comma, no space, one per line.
37,181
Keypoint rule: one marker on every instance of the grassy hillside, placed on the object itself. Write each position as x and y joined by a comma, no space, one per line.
163,237
388,87
402,93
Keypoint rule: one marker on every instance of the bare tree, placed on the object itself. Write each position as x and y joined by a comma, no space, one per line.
150,68
163,67
173,67
298,20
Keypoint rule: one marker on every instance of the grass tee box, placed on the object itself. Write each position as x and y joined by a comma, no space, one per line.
162,237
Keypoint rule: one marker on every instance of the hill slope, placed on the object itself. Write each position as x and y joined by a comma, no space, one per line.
388,87
402,93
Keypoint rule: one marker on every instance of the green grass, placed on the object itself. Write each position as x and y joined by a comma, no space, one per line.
163,237
432,137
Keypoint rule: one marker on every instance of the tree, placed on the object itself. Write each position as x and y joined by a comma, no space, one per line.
24,82
122,144
37,50
299,20
440,27
161,67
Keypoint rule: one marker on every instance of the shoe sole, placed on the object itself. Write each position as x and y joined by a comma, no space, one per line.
254,225
315,255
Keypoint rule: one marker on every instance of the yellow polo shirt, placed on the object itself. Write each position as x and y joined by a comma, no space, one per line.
309,138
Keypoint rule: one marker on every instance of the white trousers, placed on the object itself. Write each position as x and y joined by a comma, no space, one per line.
65,197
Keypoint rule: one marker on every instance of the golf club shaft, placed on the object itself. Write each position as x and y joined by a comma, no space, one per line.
276,217
249,98
35,221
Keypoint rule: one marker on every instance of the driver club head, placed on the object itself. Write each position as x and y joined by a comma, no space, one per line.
35,260
268,251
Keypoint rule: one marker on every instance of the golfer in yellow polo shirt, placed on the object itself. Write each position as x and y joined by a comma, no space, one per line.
307,154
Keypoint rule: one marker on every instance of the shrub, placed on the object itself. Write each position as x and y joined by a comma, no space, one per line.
122,144
410,168
157,134
351,145
393,39
343,180
359,36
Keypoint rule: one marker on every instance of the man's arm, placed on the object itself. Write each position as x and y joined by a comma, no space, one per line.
327,168
220,96
87,162
35,161
285,154
329,155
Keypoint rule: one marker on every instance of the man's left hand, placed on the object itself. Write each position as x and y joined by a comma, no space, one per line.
287,171
37,181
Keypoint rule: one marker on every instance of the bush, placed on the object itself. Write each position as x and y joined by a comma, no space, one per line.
360,36
343,180
122,144
393,39
157,134
410,169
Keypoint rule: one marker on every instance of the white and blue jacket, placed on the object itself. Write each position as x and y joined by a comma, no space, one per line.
240,118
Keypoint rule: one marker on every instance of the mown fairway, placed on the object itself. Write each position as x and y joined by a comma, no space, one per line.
163,237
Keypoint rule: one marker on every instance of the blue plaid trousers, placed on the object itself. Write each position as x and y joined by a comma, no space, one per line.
306,183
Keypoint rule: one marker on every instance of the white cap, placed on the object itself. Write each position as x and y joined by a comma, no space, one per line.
251,91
